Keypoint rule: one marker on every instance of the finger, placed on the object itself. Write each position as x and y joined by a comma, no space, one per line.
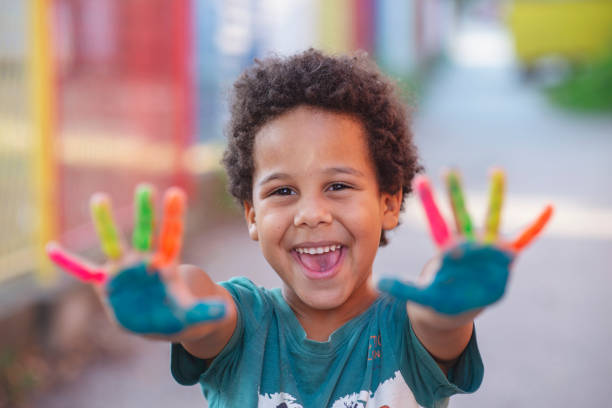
204,312
170,239
496,201
75,266
462,217
106,227
142,236
533,230
404,291
437,225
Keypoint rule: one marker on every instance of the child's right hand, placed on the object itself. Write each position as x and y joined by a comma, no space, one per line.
143,290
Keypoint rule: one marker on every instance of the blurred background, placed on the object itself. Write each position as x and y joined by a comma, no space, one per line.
100,95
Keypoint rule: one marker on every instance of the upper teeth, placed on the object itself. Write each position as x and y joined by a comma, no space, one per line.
318,250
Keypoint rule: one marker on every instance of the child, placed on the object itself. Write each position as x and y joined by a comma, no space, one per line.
321,157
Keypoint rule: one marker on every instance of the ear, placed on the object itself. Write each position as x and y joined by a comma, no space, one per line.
249,216
391,205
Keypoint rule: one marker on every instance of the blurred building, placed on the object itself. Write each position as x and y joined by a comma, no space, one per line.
101,95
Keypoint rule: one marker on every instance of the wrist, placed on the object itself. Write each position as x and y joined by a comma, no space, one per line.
435,321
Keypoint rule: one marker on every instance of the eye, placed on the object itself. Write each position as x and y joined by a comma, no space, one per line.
283,191
338,187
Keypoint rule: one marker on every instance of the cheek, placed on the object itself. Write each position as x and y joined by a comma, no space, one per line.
363,219
365,232
274,223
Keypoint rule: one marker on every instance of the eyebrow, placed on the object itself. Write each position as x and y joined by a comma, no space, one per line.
328,171
343,170
273,176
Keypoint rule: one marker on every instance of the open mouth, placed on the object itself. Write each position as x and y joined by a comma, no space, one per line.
319,262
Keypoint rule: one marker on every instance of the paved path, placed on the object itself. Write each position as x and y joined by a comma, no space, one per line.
547,343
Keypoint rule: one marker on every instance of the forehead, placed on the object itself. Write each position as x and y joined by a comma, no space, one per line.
307,136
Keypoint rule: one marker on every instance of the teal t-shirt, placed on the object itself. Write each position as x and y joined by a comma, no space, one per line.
374,360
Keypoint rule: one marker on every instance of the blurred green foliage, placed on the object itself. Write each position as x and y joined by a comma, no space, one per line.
17,379
587,88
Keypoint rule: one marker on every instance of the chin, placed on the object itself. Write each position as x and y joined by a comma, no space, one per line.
324,301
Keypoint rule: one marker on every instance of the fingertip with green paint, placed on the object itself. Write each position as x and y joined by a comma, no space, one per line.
142,236
462,217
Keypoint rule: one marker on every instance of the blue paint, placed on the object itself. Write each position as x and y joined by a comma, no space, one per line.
471,276
142,304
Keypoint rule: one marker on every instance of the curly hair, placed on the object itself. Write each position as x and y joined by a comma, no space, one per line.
345,84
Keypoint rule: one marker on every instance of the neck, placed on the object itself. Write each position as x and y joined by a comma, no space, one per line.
319,324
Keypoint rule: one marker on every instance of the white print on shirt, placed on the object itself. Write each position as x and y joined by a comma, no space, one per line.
277,400
392,393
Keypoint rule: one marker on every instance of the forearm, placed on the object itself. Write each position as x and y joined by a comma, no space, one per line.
208,339
208,343
445,337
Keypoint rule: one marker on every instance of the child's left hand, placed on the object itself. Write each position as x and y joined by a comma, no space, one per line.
474,269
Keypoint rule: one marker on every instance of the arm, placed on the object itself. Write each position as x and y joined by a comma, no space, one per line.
445,337
470,274
205,341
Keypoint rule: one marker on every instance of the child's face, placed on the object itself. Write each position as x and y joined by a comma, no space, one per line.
315,190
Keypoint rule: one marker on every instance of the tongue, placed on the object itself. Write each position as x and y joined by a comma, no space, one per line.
320,262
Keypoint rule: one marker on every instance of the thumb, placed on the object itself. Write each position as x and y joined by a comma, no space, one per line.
404,291
205,311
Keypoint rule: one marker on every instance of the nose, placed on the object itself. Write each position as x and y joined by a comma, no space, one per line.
311,212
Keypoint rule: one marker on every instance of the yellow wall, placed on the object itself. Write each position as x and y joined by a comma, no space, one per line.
578,29
335,30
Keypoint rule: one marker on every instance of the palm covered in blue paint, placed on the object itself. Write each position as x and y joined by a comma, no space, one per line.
473,273
144,291
142,303
470,276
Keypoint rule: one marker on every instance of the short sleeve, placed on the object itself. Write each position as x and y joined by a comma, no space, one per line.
251,304
433,386
185,368
421,372
467,373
